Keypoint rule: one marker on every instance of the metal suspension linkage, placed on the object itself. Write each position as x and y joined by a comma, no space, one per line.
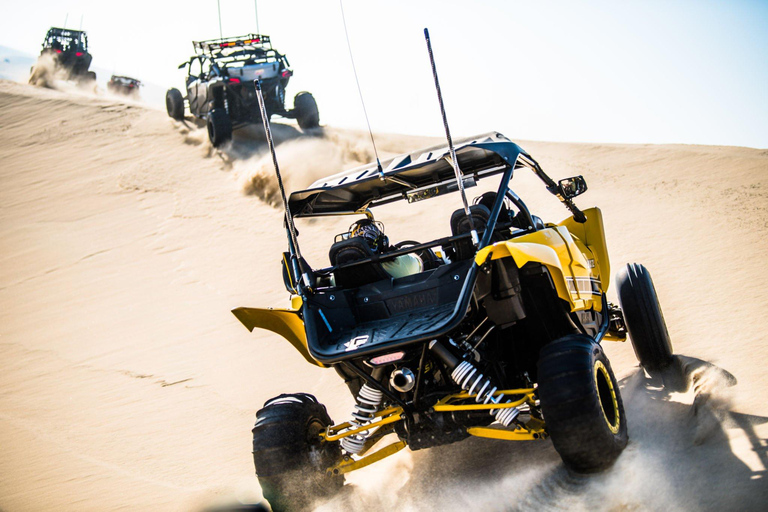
474,382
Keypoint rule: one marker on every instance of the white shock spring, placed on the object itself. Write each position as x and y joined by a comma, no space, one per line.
474,382
368,401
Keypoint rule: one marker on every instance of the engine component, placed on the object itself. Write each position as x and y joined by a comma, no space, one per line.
474,382
402,380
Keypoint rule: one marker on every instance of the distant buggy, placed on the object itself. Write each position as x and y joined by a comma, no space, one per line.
69,51
123,85
221,89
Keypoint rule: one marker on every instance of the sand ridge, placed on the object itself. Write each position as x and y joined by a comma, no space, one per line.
127,384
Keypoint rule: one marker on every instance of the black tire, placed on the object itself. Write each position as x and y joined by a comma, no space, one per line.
644,319
289,455
90,76
307,114
219,126
174,104
581,404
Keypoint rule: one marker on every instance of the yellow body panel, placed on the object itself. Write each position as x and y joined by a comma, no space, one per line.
574,254
592,235
285,322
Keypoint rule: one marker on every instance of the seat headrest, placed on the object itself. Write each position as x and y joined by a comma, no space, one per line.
460,221
349,250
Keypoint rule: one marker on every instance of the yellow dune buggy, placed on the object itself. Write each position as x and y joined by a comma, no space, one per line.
493,330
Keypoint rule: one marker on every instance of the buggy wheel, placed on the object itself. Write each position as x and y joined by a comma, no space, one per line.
219,126
174,104
307,114
581,403
289,455
90,76
644,319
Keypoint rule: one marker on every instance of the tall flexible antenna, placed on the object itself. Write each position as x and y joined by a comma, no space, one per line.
256,10
293,241
218,3
454,160
360,91
81,22
65,20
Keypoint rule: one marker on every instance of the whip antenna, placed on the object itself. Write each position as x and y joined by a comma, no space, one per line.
360,92
293,244
454,161
256,8
218,4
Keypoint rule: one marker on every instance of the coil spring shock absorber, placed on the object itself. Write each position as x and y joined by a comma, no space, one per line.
368,401
474,382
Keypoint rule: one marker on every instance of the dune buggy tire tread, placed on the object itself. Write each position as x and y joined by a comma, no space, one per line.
644,318
574,405
219,127
174,104
307,114
289,458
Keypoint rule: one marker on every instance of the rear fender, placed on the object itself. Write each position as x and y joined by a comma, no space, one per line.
534,247
285,322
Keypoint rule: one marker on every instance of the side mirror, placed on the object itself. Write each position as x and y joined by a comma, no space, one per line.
572,187
183,65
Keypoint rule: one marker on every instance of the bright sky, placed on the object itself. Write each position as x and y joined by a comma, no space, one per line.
650,71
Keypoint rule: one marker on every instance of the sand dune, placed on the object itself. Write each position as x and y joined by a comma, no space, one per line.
127,383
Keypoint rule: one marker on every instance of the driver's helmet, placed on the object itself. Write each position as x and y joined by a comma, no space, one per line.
372,232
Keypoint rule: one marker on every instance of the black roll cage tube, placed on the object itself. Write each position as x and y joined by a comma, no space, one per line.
522,158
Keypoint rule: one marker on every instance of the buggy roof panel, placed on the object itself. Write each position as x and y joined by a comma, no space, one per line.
361,187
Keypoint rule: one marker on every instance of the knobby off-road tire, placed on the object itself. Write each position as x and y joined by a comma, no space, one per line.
174,104
288,453
219,126
581,404
644,319
307,114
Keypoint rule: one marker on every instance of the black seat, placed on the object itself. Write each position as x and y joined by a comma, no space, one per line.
460,225
355,249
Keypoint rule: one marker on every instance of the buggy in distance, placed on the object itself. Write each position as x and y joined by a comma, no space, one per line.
68,49
220,88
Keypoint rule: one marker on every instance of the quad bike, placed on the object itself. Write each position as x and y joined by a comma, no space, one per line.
496,334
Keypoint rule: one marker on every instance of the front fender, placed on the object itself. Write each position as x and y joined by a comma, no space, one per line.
285,322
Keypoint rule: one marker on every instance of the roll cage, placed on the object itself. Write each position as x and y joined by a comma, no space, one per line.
414,177
66,39
239,51
423,175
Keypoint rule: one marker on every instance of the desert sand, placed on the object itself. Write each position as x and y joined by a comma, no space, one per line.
127,384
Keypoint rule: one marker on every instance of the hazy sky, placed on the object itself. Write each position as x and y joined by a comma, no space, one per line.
650,71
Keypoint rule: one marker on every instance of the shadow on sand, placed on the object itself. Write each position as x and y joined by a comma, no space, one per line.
680,457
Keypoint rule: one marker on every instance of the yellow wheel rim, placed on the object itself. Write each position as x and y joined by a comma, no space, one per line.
606,393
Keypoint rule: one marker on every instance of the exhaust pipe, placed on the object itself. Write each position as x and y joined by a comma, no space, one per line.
402,380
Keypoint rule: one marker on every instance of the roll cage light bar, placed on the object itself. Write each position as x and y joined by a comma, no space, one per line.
212,46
